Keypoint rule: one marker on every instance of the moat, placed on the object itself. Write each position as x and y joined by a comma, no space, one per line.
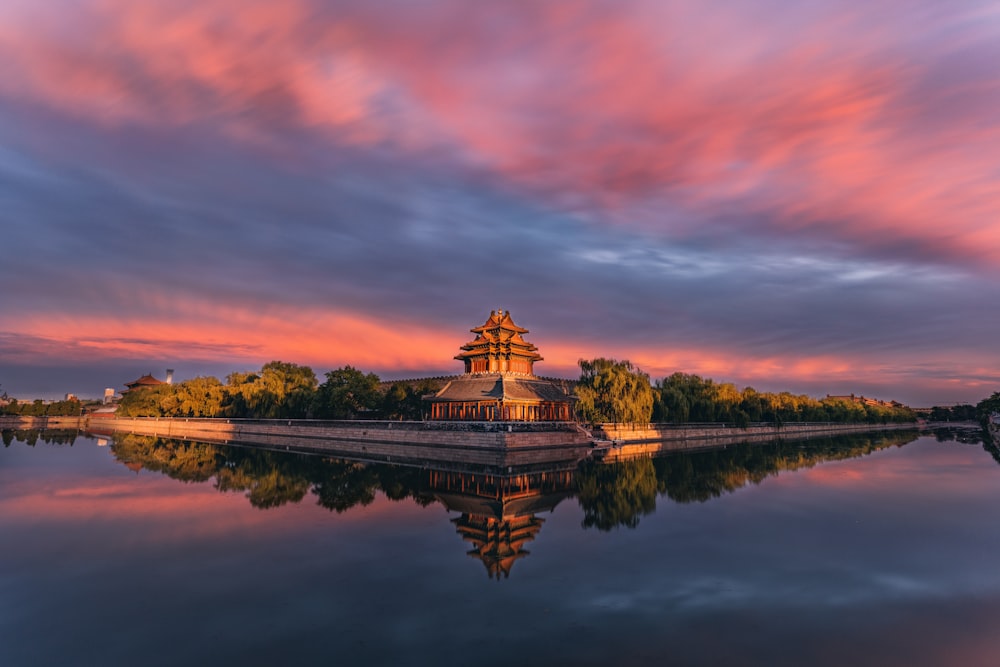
871,549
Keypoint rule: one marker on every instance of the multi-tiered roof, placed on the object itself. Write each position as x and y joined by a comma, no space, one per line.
499,347
499,383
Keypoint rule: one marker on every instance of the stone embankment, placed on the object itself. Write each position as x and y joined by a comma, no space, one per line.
474,443
13,422
477,443
622,441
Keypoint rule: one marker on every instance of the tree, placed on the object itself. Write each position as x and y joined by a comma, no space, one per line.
280,390
613,391
987,407
404,400
347,393
148,401
200,397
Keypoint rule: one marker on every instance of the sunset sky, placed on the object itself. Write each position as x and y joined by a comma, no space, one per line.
794,196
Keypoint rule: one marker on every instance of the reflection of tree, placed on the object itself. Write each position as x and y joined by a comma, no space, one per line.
345,484
271,479
968,436
700,476
991,447
267,483
619,494
31,436
610,495
184,461
616,494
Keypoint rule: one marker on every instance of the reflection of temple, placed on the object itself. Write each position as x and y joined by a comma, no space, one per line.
498,511
499,384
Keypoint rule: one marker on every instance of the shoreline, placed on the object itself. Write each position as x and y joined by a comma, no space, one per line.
489,444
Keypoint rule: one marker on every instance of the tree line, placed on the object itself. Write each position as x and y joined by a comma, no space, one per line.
618,392
39,408
281,390
608,391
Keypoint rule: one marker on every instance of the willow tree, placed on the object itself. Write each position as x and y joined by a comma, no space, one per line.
613,391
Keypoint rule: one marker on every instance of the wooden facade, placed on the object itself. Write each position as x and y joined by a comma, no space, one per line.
499,410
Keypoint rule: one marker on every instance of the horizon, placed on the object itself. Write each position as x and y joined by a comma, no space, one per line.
794,198
404,376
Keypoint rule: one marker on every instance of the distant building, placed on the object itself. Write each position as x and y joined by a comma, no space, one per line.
146,380
499,383
109,395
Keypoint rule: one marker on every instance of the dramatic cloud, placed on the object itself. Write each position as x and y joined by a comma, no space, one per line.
798,198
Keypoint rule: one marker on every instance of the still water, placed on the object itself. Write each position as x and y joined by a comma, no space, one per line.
142,551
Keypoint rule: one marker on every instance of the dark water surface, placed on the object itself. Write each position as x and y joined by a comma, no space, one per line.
864,551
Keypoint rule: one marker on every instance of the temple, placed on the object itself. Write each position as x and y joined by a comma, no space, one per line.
146,380
499,383
499,347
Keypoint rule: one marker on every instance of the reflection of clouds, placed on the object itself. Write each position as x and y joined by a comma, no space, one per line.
805,192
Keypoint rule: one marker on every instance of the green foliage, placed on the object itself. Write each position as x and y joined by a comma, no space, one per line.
404,400
613,391
280,390
155,401
957,413
39,408
683,398
347,393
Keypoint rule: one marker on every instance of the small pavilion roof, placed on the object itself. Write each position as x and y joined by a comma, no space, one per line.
146,380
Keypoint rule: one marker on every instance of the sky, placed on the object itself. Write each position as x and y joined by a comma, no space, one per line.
796,197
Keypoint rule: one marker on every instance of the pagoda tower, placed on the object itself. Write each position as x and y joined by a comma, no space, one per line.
499,347
499,383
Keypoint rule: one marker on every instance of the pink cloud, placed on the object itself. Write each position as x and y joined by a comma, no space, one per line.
811,121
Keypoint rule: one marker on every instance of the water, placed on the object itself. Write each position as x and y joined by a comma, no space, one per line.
861,551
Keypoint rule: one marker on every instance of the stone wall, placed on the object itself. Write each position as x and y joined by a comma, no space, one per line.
16,422
631,442
482,443
648,433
